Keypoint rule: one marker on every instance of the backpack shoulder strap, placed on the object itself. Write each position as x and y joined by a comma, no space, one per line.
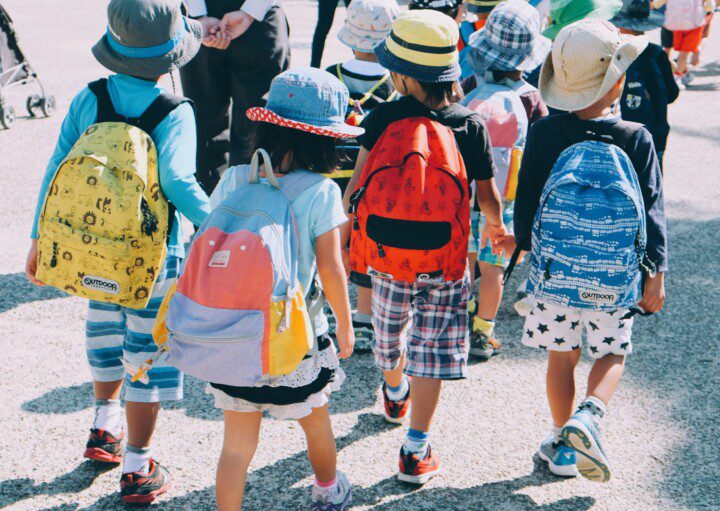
158,110
297,182
569,124
105,109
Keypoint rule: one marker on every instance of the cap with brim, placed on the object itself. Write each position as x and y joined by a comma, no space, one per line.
310,100
509,41
482,6
593,56
368,23
638,16
566,12
147,39
422,45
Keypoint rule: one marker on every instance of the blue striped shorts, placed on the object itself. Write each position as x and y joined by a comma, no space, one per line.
113,332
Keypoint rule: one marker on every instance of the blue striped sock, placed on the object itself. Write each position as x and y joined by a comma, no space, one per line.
417,442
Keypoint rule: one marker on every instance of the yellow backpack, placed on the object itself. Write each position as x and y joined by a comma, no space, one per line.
104,223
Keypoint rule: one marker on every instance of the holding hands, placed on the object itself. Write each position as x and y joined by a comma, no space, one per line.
220,33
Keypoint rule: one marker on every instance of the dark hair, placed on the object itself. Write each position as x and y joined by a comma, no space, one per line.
450,11
316,153
443,92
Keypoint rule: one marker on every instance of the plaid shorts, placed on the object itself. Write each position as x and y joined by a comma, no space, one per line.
113,332
426,321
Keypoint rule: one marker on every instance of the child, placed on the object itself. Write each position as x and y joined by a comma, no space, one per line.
509,44
686,19
368,24
305,113
595,49
649,86
421,54
113,331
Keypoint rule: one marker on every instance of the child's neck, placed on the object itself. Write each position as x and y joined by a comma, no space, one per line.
594,111
365,57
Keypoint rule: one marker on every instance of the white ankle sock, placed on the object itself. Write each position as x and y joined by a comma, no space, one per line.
556,433
396,394
108,416
328,489
136,460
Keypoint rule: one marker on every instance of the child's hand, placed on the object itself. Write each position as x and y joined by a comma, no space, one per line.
654,293
493,233
31,264
505,245
345,336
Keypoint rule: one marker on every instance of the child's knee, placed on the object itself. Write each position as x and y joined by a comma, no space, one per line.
564,358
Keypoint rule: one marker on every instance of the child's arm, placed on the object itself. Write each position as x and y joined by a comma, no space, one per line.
176,143
488,198
332,276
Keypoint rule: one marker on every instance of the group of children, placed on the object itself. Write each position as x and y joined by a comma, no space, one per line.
446,175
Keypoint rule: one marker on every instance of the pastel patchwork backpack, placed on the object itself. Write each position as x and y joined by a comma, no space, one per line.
411,206
238,312
502,110
104,221
588,238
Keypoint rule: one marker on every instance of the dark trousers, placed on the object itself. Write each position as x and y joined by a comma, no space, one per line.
326,15
240,75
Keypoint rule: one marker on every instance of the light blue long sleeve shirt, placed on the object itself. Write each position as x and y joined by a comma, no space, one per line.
175,139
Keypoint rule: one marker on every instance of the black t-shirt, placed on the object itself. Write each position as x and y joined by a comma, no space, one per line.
552,135
467,126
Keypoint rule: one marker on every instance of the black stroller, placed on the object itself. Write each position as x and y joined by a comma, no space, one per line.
15,70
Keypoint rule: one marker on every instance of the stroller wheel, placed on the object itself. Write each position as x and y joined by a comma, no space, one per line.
47,104
7,116
33,104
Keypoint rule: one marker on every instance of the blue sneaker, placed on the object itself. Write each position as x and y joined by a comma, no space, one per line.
582,434
559,457
339,502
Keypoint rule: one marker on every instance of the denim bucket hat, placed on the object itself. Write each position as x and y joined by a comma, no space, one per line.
368,23
147,38
422,45
509,41
307,99
638,15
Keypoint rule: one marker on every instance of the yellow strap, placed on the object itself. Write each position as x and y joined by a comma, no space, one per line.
340,174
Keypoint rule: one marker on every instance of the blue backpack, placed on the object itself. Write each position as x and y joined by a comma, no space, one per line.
588,238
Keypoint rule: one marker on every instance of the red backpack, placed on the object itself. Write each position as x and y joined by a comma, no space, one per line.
411,206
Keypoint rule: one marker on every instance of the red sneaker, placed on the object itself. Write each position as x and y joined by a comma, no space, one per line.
415,470
105,447
140,488
395,411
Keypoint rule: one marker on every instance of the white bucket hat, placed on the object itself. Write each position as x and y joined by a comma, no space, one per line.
368,23
587,59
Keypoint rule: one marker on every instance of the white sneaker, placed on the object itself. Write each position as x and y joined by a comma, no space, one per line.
687,78
339,502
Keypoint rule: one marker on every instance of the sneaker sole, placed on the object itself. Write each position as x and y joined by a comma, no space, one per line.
421,479
559,470
146,498
395,420
97,454
591,462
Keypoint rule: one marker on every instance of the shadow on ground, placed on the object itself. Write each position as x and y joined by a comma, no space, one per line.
16,289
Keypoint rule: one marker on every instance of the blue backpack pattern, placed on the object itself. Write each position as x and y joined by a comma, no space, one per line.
588,238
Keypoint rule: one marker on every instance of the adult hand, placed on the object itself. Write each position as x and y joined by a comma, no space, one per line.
235,23
31,264
212,35
654,293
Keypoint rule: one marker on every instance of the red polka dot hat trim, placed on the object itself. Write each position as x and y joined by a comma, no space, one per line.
264,115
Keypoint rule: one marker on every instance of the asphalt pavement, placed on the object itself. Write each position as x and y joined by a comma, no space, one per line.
662,428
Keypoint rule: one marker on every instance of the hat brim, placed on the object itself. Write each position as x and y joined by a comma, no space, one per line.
605,12
359,39
559,97
483,56
342,130
656,19
154,67
429,74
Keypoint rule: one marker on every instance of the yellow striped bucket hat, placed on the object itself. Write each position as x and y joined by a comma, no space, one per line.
422,45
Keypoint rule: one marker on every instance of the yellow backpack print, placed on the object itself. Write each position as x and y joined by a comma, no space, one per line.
104,223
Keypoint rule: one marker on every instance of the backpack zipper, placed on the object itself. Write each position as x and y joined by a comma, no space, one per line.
218,340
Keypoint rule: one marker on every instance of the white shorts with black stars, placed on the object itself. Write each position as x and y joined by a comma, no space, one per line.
555,328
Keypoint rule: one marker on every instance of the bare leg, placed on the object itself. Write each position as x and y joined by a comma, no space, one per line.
104,390
682,63
395,376
424,395
489,291
560,383
321,447
242,432
605,376
364,300
141,419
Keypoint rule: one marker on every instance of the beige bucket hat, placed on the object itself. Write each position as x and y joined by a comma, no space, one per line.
587,59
